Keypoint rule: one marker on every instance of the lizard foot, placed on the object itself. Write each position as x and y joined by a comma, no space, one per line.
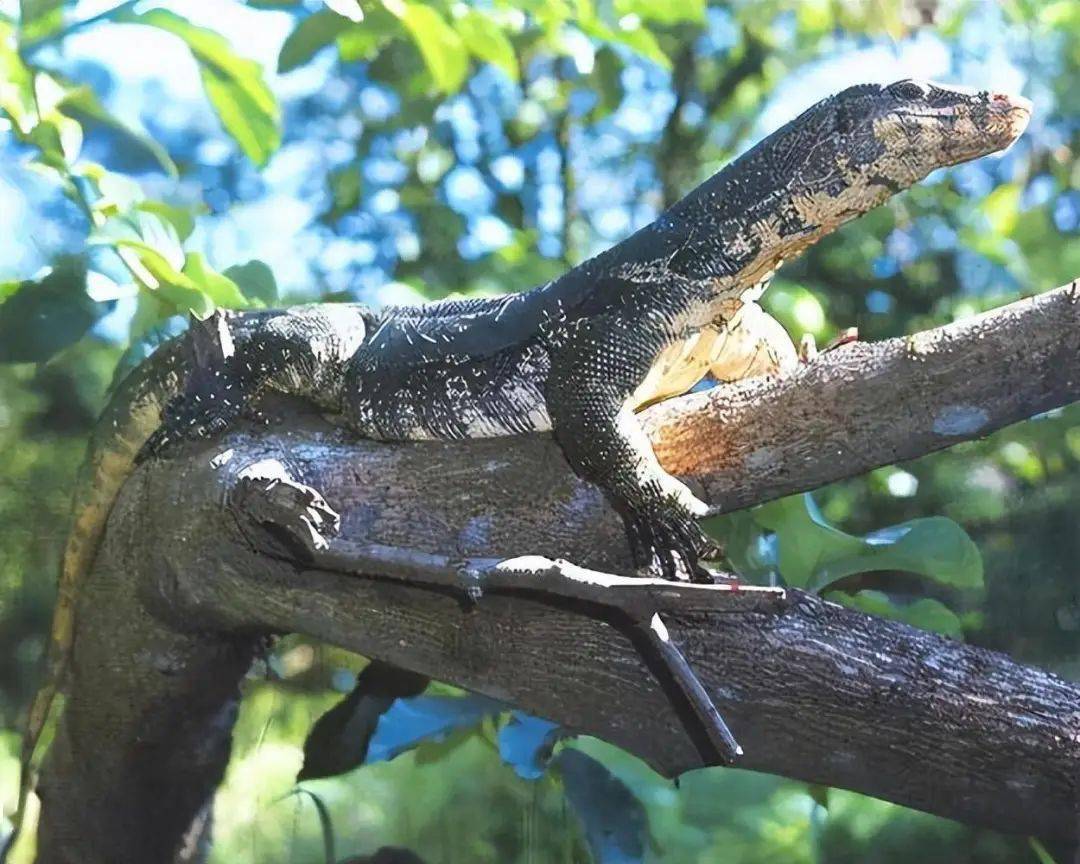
667,537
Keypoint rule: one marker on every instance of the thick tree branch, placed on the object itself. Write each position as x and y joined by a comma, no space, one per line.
179,598
870,404
812,690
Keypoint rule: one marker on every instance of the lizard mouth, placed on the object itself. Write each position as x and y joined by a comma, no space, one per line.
976,128
1014,112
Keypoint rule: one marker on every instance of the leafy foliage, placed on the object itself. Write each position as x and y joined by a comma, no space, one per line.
808,552
411,149
41,317
248,110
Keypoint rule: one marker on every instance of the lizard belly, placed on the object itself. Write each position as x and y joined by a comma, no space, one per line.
742,343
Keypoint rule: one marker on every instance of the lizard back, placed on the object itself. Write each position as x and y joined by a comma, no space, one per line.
472,368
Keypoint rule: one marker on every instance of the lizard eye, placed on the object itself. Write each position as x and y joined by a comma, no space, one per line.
907,90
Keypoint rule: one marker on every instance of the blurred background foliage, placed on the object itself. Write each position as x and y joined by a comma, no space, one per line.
158,158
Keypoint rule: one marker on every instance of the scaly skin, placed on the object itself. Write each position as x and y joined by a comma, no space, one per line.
577,356
572,356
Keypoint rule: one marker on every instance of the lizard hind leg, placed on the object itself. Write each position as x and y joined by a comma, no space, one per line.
234,359
214,394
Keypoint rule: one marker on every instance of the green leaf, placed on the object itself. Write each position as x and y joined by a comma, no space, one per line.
31,10
149,244
254,129
663,11
935,547
443,51
806,541
218,287
181,218
808,552
1060,13
926,613
630,32
39,18
139,225
235,86
84,104
311,34
16,84
170,284
750,550
1040,851
116,193
42,317
255,281
358,42
58,139
486,40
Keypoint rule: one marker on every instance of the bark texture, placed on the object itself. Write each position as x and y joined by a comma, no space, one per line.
208,553
868,404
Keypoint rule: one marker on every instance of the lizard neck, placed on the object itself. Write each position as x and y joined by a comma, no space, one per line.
743,224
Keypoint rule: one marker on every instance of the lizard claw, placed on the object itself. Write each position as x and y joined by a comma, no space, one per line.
667,538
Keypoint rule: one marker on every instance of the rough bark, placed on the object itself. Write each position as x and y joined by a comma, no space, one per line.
874,403
196,569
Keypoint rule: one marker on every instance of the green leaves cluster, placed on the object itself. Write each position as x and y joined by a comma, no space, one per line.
49,113
235,86
450,36
791,541
1013,490
446,42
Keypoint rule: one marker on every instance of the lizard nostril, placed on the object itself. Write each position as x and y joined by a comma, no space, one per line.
1005,102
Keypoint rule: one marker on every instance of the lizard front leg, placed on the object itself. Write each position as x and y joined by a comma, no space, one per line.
588,399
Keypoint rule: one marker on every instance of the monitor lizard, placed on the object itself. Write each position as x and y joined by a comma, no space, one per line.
576,357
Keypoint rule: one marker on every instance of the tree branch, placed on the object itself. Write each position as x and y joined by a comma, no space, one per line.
870,404
180,597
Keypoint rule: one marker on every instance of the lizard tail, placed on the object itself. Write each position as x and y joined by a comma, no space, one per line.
131,416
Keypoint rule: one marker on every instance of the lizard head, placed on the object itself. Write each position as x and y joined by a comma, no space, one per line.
870,141
837,160
918,126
